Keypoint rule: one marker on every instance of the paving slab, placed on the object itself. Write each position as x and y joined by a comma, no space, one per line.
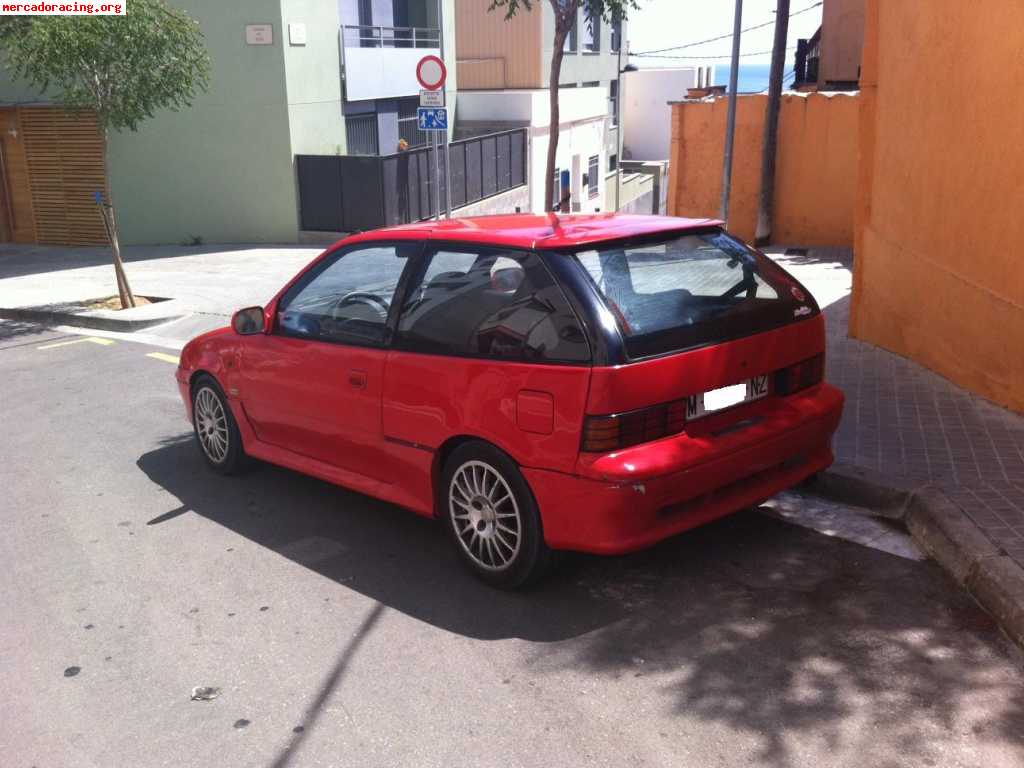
205,284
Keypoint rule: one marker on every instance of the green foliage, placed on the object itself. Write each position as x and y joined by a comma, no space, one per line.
124,68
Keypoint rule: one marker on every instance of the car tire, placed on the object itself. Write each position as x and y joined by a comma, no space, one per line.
492,517
215,428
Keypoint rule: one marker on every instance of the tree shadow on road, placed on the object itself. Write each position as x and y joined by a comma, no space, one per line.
807,643
801,643
15,332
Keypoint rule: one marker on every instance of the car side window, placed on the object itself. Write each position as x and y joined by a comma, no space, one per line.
345,299
490,303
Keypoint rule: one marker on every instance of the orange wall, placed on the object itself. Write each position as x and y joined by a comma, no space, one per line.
940,275
816,165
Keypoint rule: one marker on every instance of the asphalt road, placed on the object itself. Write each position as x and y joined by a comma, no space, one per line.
342,631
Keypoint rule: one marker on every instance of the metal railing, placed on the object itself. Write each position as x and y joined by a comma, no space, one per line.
347,193
378,36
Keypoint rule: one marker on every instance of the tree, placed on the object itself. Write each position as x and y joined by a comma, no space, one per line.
565,17
122,68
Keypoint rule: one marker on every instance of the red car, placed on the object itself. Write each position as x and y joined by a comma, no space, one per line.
539,383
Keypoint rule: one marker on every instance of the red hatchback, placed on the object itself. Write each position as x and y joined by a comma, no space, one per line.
593,383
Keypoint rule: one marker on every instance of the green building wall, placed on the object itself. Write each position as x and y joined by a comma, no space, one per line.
223,170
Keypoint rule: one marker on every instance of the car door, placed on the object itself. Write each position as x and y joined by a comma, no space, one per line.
487,345
313,385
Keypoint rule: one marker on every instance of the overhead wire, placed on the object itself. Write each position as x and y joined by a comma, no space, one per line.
719,37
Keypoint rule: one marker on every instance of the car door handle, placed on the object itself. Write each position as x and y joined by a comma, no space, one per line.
357,379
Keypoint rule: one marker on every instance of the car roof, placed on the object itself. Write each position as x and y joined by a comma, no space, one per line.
544,231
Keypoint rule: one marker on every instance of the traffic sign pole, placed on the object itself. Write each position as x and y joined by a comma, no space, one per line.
433,118
447,178
437,174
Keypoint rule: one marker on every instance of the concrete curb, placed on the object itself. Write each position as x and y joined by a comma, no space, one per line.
946,533
84,319
849,484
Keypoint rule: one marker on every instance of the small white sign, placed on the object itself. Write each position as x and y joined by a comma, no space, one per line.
431,98
259,34
297,34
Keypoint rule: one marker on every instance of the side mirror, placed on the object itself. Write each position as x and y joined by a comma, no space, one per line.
248,321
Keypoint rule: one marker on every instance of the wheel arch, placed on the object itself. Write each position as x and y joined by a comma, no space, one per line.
448,447
198,374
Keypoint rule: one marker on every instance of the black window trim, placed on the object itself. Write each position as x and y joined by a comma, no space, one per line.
331,258
414,278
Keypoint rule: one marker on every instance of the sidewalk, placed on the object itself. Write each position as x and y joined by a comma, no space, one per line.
206,284
905,422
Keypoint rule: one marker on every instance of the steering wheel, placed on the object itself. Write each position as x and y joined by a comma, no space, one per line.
361,297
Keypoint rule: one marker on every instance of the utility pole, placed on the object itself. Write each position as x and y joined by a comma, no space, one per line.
618,127
730,128
766,206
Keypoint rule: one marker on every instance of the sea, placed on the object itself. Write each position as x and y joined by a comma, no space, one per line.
753,78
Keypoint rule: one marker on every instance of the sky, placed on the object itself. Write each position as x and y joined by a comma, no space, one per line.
663,23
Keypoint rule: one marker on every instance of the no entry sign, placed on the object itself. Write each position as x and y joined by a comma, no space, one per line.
431,72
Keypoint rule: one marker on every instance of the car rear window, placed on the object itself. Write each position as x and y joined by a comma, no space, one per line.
684,291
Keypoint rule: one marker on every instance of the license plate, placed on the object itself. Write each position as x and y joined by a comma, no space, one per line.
719,399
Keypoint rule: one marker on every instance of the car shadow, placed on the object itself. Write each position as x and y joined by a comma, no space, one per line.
749,623
382,551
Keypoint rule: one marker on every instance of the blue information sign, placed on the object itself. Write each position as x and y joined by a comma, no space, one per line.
432,118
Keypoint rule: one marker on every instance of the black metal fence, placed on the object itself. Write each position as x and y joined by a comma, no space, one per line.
349,193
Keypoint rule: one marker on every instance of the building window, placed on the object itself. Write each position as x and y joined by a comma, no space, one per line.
407,124
556,189
613,163
592,37
592,179
616,33
613,100
361,134
572,39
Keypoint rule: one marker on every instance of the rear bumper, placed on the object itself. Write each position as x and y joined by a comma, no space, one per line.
618,513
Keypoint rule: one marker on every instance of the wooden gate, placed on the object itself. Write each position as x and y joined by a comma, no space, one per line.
16,220
60,155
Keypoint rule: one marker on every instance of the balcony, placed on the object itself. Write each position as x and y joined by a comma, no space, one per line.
380,62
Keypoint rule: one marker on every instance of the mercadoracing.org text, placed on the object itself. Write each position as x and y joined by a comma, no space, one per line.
63,9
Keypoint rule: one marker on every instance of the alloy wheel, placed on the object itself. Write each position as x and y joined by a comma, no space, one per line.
211,425
485,515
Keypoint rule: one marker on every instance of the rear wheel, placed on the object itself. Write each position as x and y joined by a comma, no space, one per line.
491,514
215,428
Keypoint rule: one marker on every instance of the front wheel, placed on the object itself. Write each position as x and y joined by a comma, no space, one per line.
216,431
490,512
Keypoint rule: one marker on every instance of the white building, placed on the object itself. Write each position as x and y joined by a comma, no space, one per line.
582,156
646,114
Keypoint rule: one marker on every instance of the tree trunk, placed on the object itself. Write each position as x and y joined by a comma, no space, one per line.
766,208
561,32
124,290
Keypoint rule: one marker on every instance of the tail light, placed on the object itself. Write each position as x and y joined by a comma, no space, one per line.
621,430
804,374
